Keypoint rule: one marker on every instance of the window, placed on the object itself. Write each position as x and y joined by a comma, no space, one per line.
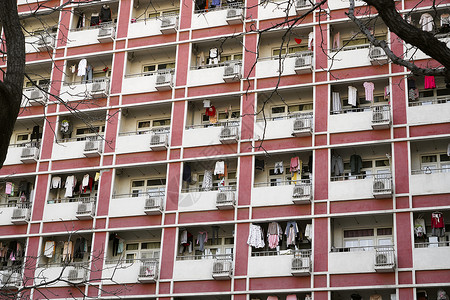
142,250
39,82
221,245
228,116
429,163
23,138
285,110
227,57
146,125
230,179
357,40
291,50
85,132
369,167
152,187
368,237
158,67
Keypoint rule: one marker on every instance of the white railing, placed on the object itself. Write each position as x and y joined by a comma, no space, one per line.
205,256
160,193
351,110
348,176
150,73
154,131
16,204
428,170
286,117
145,19
222,64
351,48
384,256
295,253
102,25
228,188
284,182
223,5
432,244
284,56
218,124
382,184
381,114
96,137
94,80
431,101
148,268
228,132
75,199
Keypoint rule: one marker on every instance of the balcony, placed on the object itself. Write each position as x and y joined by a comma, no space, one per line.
21,213
11,278
232,72
211,134
64,274
164,80
40,42
81,208
276,9
282,193
296,63
362,259
289,263
350,57
91,89
22,153
425,254
35,96
223,267
29,155
169,24
104,33
419,111
130,271
219,267
215,73
78,148
222,15
148,82
138,204
200,199
93,147
430,180
138,141
382,186
361,186
302,125
413,53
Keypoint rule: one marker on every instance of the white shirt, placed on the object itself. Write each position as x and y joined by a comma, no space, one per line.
82,67
220,168
352,95
426,20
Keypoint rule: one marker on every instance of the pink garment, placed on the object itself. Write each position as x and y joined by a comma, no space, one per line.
369,87
291,297
273,241
295,164
429,82
272,298
337,41
8,188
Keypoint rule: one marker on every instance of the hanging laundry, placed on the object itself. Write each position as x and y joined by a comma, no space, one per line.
279,167
337,104
337,41
105,13
337,165
202,238
85,181
368,89
259,164
419,227
219,168
308,232
376,297
67,251
256,237
56,182
426,20
9,189
352,95
187,241
448,149
70,185
442,295
207,180
311,41
187,173
445,19
296,164
437,224
274,234
291,232
81,20
355,164
49,249
430,82
387,92
95,19
97,176
291,297
82,67
214,56
210,111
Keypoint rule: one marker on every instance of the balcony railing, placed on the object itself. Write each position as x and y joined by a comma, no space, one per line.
284,56
15,202
223,5
205,256
148,131
346,110
285,117
351,48
283,182
428,170
75,199
295,253
150,73
160,193
228,188
384,258
144,19
221,64
102,25
432,244
431,101
81,138
218,124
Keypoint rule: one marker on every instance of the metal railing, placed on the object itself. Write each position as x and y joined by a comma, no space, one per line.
94,80
382,184
228,132
381,114
78,264
431,101
152,18
148,268
75,199
223,5
351,48
118,262
294,253
348,176
283,182
360,248
148,131
346,110
151,73
89,27
26,145
227,188
160,193
306,115
16,204
228,257
428,170
284,56
384,256
221,64
95,137
218,124
432,244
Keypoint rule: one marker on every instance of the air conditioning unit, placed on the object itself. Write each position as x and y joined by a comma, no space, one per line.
228,134
164,81
100,89
153,205
232,72
384,261
302,64
302,5
148,271
169,25
235,16
158,141
377,56
381,117
382,187
20,216
10,280
302,127
29,155
225,200
92,148
85,210
222,269
76,275
106,34
301,266
301,194
46,43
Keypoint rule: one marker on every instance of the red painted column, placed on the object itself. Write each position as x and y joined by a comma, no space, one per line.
117,73
64,26
241,256
48,136
398,99
178,110
168,249
40,197
407,293
186,14
320,245
401,167
111,130
32,256
98,246
173,183
321,109
245,180
320,296
104,193
404,250
182,64
321,174
123,19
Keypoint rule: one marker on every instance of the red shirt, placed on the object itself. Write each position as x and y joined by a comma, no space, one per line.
437,220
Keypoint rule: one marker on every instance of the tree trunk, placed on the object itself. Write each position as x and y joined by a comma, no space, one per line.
11,86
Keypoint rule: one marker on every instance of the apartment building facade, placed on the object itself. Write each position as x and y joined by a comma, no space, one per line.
180,154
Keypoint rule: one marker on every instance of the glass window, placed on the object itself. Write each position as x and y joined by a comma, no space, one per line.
278,110
153,15
150,68
298,48
23,137
429,158
276,51
134,246
144,124
161,122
